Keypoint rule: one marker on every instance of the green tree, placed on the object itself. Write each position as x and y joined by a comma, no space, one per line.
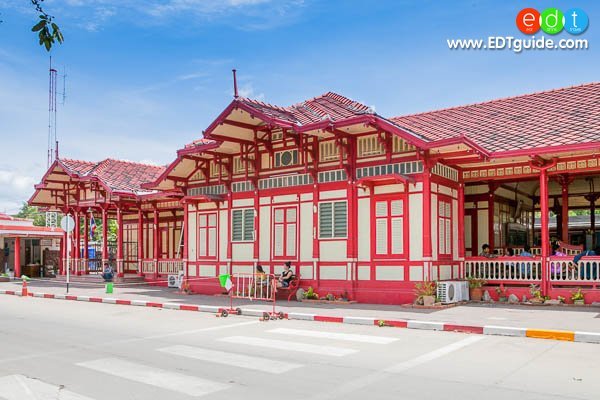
32,212
48,31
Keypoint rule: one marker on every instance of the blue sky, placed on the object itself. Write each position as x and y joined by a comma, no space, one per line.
145,77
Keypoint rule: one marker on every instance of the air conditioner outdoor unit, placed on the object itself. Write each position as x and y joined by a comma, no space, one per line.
173,281
453,291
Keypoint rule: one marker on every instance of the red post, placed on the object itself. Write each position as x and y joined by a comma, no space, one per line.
545,232
77,237
155,242
86,237
120,269
491,211
461,220
140,249
427,248
17,257
104,237
185,233
564,235
63,253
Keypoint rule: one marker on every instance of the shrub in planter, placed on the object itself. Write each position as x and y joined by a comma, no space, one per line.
578,297
475,288
425,292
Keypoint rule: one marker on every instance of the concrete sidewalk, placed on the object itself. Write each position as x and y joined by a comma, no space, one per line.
583,319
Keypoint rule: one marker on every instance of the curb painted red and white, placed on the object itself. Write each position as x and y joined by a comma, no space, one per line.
572,336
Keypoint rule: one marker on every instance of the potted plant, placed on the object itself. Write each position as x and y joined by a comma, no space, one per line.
577,297
502,293
536,294
426,292
475,288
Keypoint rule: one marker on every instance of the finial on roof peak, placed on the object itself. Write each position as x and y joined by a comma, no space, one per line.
235,88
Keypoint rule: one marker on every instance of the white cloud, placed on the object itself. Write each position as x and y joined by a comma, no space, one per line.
16,188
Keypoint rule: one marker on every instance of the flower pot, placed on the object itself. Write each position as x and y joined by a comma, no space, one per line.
476,294
428,301
579,302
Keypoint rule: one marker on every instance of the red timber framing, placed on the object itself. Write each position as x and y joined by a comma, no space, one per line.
360,204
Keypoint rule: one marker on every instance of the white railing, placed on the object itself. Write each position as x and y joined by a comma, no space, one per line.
563,269
169,267
504,268
148,267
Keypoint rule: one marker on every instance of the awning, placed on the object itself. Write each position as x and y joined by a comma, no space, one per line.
205,198
30,231
388,179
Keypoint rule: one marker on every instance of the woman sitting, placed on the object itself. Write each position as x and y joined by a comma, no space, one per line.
108,273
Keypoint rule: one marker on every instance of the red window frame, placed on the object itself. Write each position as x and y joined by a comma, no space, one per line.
285,224
445,246
389,217
207,227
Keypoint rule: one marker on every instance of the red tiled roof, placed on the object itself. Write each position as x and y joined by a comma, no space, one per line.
126,176
77,166
121,176
552,118
330,106
5,217
199,142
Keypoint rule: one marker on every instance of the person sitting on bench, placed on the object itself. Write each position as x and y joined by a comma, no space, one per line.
108,273
287,275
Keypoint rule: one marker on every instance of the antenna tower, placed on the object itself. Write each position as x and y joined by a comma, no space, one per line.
51,114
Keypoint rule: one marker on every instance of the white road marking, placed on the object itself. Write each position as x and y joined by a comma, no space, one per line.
161,378
357,384
335,336
289,346
122,341
19,387
190,332
232,359
442,351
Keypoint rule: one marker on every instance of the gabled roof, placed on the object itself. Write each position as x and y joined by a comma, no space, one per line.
116,175
567,116
329,106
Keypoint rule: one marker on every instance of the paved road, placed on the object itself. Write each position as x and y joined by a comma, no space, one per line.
81,351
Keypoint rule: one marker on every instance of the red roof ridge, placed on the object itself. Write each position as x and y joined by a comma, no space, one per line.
134,163
495,100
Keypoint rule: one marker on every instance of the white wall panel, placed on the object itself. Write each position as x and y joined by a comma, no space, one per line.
389,273
306,231
415,213
364,229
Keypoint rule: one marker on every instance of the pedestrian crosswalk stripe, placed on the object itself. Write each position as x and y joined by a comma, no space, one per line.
335,336
232,359
190,385
289,346
19,387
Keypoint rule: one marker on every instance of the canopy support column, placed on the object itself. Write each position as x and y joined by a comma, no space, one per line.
104,237
120,266
76,269
155,242
564,234
185,233
140,245
86,238
17,257
461,227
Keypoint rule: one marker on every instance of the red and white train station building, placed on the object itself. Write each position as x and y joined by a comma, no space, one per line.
358,202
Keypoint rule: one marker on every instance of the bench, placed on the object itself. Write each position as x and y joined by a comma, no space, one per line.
292,288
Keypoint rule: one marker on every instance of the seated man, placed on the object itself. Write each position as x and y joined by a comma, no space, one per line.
587,272
485,252
108,273
287,276
525,266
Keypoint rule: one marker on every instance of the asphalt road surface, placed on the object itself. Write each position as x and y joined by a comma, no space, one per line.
52,349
